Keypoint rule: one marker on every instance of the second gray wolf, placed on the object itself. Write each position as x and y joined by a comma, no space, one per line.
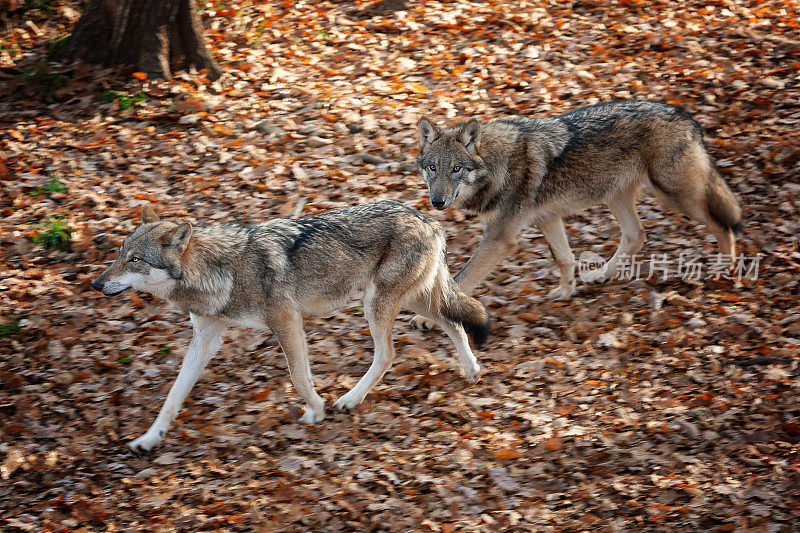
270,275
513,172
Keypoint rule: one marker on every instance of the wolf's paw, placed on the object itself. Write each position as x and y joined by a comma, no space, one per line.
561,293
145,443
473,374
311,416
347,402
422,323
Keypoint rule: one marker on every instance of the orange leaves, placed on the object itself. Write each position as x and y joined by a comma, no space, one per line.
704,400
141,76
540,390
234,144
136,299
417,88
553,444
190,106
145,196
507,454
261,396
223,130
529,316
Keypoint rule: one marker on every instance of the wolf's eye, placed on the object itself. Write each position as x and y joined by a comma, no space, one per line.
456,168
134,259
432,167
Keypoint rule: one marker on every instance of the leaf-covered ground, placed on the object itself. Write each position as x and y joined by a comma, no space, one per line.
640,405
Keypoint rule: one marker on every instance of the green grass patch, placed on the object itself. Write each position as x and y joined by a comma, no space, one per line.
8,329
55,185
124,100
54,233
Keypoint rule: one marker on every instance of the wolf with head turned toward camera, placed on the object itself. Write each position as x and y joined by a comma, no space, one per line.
513,172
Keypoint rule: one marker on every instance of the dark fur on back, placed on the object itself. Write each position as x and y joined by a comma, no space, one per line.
512,172
575,159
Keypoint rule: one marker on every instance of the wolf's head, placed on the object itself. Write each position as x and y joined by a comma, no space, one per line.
149,259
449,160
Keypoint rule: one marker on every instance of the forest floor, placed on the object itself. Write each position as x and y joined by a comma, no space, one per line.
652,404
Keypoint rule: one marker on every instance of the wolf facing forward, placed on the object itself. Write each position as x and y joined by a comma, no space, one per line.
516,171
270,275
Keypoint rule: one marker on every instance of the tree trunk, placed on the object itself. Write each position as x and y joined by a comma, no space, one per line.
155,36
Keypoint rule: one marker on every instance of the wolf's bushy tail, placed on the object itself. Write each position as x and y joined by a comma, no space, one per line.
462,308
722,206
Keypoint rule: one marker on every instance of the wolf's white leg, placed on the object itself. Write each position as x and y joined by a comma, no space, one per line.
288,326
205,343
457,334
623,208
469,363
381,314
556,236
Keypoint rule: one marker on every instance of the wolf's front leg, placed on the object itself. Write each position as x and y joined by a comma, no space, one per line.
205,343
496,244
287,324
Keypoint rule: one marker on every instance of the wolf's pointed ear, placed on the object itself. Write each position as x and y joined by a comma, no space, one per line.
471,135
427,131
148,215
179,237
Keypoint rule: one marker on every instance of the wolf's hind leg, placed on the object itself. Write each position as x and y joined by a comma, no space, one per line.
623,207
288,326
556,236
381,311
693,186
456,333
205,343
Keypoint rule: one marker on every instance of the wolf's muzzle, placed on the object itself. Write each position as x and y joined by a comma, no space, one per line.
98,285
438,203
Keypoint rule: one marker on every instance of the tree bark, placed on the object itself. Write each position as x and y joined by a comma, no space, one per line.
155,36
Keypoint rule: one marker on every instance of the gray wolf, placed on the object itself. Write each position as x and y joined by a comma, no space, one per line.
271,274
512,172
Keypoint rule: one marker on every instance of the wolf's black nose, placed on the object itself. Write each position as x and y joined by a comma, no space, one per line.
438,203
98,285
